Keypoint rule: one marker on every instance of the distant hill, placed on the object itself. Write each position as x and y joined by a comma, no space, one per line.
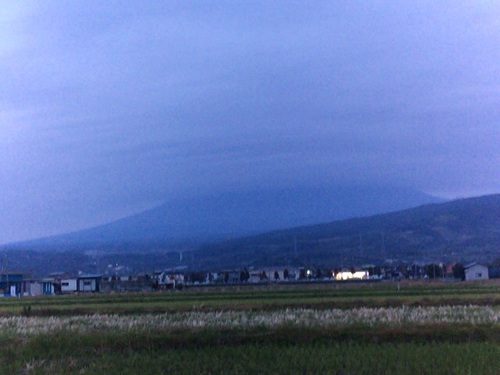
229,215
460,230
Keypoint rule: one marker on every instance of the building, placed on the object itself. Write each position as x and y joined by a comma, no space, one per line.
68,285
476,271
88,283
12,283
348,275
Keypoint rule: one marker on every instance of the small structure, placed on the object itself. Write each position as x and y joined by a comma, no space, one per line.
68,285
476,271
48,286
34,288
281,274
38,287
166,280
88,283
12,283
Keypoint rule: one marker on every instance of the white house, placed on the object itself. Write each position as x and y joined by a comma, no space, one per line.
476,271
34,288
89,283
68,286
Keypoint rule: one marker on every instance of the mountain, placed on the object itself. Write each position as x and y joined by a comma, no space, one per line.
461,230
229,215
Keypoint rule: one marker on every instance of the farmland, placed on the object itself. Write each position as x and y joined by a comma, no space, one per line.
382,328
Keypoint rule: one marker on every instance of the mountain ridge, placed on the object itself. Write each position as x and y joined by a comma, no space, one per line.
229,215
463,229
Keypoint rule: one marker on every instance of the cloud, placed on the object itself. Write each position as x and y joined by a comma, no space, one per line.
108,107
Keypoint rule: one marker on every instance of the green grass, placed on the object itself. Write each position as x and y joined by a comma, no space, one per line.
150,355
434,348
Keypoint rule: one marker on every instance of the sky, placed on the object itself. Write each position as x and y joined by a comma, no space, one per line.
110,107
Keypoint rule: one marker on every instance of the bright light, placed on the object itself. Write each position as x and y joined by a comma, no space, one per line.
360,275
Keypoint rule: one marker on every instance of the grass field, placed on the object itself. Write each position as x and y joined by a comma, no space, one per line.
275,329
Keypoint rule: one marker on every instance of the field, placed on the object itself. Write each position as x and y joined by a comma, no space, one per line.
373,328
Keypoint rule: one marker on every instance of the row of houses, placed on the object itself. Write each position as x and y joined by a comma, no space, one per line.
16,284
472,271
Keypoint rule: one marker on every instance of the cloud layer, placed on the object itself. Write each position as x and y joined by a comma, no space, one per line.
107,108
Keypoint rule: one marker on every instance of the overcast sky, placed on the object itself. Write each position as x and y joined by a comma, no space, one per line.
111,107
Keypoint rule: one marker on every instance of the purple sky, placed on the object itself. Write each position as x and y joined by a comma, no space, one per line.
111,107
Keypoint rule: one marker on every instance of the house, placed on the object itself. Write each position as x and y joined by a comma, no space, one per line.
476,271
257,277
31,287
166,280
351,275
48,286
12,283
230,276
68,285
88,283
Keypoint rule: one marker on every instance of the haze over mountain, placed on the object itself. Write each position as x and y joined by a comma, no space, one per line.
236,214
460,230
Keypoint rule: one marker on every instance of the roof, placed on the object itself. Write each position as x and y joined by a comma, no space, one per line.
89,276
474,264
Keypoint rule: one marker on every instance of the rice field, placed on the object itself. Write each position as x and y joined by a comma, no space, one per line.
360,359
244,320
299,330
